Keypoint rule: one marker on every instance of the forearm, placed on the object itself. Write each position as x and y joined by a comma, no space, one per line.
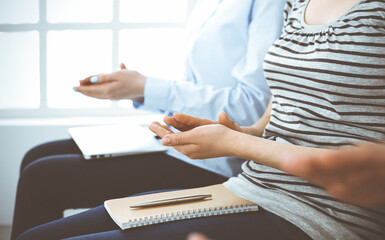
267,152
217,140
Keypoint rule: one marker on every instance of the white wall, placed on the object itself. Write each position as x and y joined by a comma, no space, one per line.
18,136
14,142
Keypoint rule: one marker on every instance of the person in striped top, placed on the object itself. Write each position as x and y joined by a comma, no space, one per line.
327,80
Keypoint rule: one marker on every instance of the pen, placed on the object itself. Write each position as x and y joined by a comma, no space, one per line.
171,201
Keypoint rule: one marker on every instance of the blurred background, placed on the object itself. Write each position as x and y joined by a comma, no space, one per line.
47,46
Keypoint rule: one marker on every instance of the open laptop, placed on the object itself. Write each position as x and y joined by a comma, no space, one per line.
115,140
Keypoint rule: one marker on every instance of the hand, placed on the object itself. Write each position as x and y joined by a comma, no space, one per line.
184,122
197,236
122,84
202,142
355,175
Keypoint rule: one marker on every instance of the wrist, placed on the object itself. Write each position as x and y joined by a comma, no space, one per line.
141,83
233,143
138,85
252,131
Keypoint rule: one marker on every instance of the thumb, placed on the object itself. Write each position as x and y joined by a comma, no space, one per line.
123,66
176,139
227,122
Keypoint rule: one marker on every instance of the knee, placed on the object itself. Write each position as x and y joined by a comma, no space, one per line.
42,171
32,155
31,234
33,173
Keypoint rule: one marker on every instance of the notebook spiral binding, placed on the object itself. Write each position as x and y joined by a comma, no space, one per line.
195,213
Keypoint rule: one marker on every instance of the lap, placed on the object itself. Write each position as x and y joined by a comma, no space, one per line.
54,183
126,174
96,224
61,159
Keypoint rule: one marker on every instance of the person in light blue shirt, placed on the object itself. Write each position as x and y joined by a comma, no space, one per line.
227,42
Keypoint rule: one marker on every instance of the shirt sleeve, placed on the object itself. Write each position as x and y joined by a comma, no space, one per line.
244,102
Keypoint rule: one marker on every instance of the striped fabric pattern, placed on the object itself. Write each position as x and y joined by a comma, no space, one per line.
328,86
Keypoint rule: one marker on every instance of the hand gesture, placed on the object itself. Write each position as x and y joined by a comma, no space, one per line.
184,122
122,84
355,175
197,236
207,141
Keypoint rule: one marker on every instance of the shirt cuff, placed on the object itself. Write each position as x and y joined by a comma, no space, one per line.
137,104
156,93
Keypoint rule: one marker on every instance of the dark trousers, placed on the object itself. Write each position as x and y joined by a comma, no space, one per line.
55,177
96,224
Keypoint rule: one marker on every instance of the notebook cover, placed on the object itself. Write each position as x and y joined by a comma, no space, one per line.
222,202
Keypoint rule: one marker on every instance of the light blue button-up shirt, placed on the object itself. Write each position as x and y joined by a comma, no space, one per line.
223,68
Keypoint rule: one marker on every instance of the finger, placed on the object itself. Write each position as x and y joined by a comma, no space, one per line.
85,81
348,166
96,91
339,162
326,171
97,79
177,139
173,122
159,130
226,121
192,121
196,236
123,66
167,128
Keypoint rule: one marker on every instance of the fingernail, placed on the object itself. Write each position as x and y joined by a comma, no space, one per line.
94,79
74,89
166,141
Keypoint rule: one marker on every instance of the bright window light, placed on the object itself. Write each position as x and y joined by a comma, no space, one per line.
47,46
19,71
154,52
72,56
153,10
19,11
85,11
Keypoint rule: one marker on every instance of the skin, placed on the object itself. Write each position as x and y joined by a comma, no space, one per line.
122,84
127,84
202,138
184,122
355,175
319,12
197,236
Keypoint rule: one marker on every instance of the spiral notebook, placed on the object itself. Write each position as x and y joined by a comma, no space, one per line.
222,202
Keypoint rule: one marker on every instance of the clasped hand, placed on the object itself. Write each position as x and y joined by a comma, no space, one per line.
199,138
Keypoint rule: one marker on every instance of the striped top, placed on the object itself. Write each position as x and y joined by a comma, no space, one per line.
328,86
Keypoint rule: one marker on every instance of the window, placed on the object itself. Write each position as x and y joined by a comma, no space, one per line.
47,46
